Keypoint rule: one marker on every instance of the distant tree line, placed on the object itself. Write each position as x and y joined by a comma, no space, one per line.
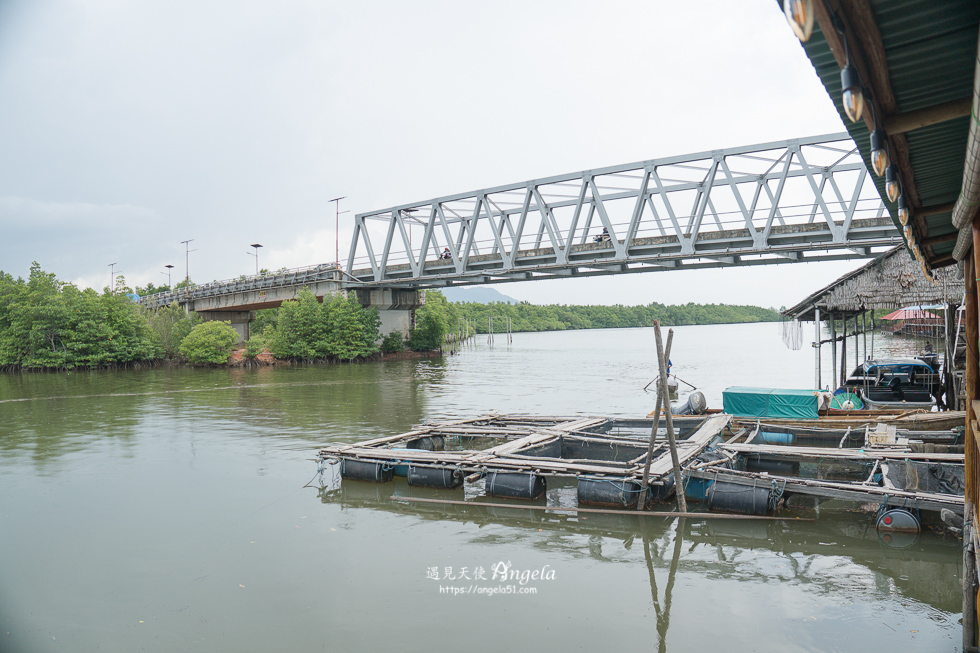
48,324
529,317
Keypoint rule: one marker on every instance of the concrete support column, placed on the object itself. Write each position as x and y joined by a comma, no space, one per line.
239,320
396,307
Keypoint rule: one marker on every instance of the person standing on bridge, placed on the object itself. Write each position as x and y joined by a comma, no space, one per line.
446,254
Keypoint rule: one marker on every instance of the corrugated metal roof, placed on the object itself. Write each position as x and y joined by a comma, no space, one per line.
930,48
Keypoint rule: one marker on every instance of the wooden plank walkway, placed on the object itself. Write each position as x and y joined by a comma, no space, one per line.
518,433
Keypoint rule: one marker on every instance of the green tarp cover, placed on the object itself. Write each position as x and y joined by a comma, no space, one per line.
770,402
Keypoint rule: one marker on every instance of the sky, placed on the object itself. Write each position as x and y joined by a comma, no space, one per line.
128,127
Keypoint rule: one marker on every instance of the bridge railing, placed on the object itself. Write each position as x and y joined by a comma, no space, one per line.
282,278
809,199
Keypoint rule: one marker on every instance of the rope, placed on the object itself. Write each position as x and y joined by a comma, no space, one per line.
883,507
776,494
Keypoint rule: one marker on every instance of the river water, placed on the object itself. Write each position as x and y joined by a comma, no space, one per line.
179,510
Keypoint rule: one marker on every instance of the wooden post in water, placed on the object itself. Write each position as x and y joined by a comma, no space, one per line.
816,345
970,380
833,351
678,478
661,387
843,354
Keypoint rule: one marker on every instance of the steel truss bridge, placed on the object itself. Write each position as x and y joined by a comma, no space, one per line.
807,199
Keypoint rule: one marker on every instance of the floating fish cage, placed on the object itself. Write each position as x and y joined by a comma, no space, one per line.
515,455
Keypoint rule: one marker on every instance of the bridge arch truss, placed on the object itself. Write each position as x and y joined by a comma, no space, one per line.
808,199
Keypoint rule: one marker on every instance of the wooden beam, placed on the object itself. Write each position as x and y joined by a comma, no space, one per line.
906,122
936,209
935,240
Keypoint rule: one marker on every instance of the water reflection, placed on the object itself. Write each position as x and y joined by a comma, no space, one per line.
838,553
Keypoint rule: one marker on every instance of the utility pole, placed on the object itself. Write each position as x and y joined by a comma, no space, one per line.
112,277
256,255
336,229
169,268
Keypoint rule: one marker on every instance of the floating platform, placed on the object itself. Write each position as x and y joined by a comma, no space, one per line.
516,453
750,473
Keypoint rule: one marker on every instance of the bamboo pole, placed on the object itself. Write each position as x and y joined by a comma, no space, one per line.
661,386
671,441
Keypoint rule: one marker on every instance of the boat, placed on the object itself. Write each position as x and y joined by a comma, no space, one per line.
898,383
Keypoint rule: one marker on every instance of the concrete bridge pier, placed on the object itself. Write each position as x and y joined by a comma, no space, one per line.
396,307
240,320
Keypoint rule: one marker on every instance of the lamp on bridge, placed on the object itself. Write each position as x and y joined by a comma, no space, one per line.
169,268
256,255
799,14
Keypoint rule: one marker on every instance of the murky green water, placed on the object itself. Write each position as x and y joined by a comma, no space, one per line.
165,510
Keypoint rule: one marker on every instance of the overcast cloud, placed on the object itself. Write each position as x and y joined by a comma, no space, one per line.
127,127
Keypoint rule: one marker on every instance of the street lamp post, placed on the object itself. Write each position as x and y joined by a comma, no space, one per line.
187,263
256,255
336,229
169,268
112,277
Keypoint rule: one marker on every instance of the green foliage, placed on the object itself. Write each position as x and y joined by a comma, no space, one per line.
301,330
253,347
393,343
47,324
150,289
305,329
263,318
209,342
432,322
182,327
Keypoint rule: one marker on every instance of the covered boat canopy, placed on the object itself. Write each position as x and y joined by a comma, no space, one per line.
897,366
770,402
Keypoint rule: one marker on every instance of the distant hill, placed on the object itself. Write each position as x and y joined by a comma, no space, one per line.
477,294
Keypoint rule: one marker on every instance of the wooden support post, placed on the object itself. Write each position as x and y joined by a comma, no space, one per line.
969,581
864,332
833,351
816,346
949,357
857,360
972,374
970,436
843,354
871,357
662,391
672,443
